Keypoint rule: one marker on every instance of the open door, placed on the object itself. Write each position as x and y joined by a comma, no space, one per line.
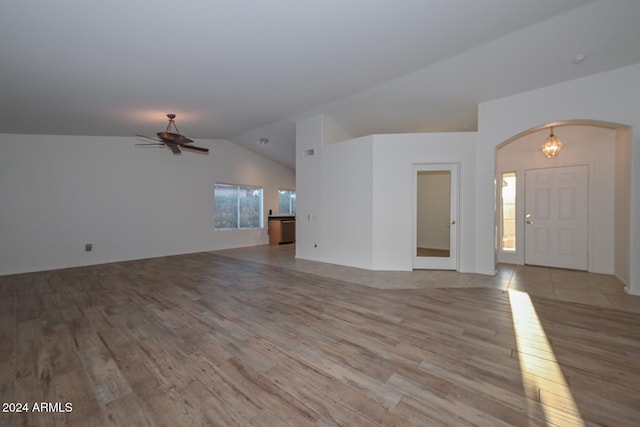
436,212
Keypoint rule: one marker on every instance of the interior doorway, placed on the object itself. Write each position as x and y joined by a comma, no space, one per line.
436,207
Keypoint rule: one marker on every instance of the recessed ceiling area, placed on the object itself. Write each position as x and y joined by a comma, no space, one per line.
247,73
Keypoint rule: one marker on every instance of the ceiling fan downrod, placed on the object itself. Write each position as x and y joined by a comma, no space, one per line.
172,121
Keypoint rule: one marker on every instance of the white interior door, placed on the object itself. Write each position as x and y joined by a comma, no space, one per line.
436,211
556,206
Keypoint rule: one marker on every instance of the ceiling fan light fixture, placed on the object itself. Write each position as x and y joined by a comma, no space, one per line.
552,146
174,140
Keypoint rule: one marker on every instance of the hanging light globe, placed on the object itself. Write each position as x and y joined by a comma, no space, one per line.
552,146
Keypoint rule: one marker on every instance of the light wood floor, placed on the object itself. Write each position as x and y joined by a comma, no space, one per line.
561,285
214,339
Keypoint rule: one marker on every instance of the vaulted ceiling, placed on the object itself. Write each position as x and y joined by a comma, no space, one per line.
247,70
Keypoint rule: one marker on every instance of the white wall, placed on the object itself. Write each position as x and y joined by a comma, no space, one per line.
612,97
582,145
347,197
366,193
394,198
622,205
59,192
309,134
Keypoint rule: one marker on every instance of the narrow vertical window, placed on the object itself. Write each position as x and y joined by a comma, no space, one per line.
508,212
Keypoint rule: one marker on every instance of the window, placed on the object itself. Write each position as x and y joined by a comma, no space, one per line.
508,212
287,202
237,206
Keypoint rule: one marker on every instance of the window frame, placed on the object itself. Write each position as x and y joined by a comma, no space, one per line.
239,211
290,191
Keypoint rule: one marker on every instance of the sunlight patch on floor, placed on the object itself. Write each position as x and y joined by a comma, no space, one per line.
539,366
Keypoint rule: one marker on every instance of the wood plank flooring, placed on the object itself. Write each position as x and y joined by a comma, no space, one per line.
205,339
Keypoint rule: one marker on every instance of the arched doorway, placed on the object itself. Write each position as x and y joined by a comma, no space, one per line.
602,150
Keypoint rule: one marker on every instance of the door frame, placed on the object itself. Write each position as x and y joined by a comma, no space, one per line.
438,263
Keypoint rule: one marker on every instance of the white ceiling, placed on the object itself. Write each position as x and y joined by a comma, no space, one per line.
248,69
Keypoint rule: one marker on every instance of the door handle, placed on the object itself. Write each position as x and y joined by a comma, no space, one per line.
528,218
453,222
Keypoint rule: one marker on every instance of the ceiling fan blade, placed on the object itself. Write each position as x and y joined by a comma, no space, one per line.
174,138
193,147
148,137
174,148
150,144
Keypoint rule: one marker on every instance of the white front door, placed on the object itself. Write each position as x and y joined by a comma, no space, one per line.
556,206
436,211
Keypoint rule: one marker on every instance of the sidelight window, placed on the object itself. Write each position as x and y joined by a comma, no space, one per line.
508,212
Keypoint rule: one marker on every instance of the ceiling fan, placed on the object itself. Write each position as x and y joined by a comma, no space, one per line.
173,140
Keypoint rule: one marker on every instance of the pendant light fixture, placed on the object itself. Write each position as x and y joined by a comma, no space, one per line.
552,146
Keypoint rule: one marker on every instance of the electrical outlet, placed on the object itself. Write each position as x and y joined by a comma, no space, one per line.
88,247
